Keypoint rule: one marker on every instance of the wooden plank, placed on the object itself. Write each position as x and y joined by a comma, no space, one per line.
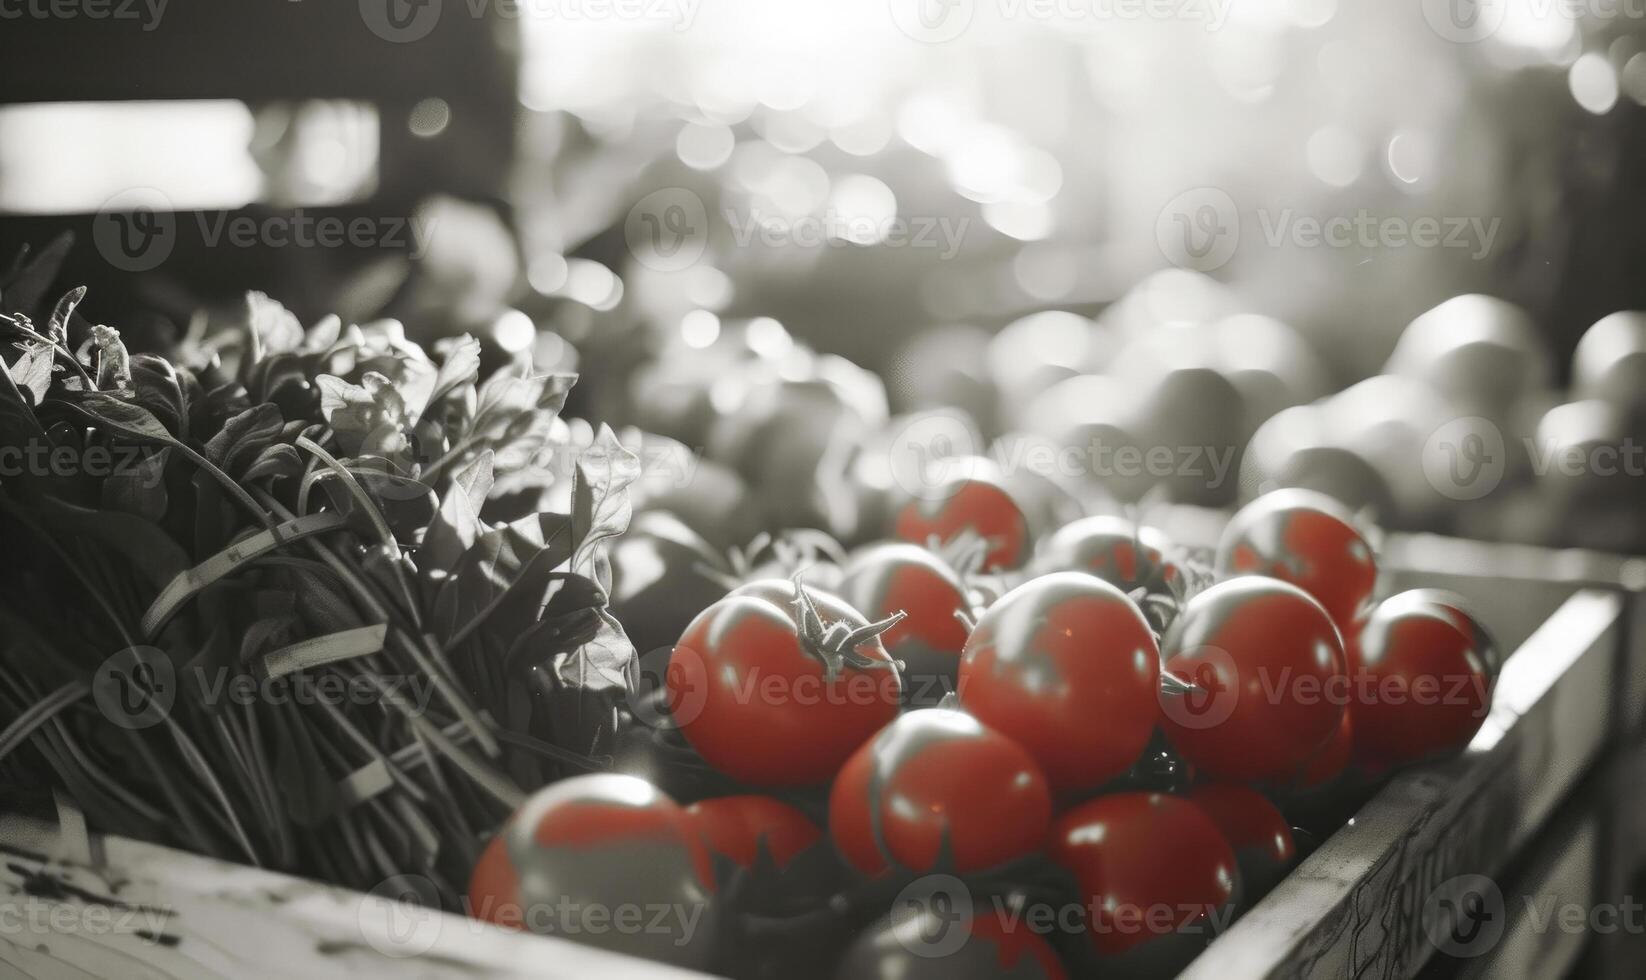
1533,942
1355,907
160,913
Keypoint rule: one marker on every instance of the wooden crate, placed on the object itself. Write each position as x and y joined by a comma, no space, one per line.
1365,904
1354,908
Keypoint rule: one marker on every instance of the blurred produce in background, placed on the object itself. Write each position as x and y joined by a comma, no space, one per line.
1192,256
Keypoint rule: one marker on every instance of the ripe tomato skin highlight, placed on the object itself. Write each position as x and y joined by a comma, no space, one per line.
757,706
1271,667
599,840
898,577
1112,548
1423,669
935,775
974,503
1135,854
1255,829
920,943
1066,666
1308,539
736,827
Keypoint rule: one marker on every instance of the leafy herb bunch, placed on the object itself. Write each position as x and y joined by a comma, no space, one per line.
276,624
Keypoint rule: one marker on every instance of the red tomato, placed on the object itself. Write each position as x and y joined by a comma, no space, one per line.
494,888
1112,548
940,941
884,579
1422,672
736,827
1332,758
933,778
1270,668
603,841
774,691
929,942
1255,828
1305,538
973,503
1066,665
1155,874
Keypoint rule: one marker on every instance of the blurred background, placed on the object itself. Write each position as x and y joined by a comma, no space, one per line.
1202,225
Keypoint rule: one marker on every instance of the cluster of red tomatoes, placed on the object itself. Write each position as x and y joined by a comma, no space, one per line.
1078,754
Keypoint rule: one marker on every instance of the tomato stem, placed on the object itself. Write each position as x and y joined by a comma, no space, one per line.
835,646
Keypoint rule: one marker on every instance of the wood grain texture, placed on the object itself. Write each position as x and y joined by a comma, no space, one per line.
154,913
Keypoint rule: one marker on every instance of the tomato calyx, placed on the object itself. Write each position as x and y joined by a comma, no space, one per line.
835,645
966,554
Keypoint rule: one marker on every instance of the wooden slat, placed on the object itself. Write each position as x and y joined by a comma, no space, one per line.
161,913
